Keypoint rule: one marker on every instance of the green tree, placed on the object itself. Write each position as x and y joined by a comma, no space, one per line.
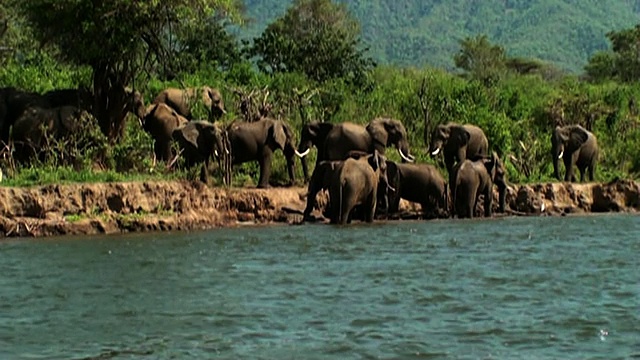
622,62
319,38
208,43
117,39
481,60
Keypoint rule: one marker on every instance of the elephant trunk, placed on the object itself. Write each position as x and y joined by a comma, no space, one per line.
305,169
556,158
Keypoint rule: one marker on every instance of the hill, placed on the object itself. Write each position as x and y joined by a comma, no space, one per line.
419,32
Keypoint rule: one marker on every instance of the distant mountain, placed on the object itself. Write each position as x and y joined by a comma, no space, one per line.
418,32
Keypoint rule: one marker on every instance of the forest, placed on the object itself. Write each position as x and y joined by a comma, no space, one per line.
311,63
565,33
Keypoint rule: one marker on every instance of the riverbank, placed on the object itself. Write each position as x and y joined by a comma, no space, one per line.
110,208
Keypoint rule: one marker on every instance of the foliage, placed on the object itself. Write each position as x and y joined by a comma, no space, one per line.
316,37
481,60
116,39
198,44
418,33
621,62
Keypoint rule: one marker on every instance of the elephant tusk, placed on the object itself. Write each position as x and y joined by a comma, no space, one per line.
412,157
435,152
391,188
215,152
303,154
561,154
405,157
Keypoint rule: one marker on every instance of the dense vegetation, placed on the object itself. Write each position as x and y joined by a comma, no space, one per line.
516,100
565,33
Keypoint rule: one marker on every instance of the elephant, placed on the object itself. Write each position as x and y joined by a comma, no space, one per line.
181,101
200,141
320,180
475,177
256,141
577,147
29,129
458,142
356,183
420,183
81,98
160,121
13,103
335,141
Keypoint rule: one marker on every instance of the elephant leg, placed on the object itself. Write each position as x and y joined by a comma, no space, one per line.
370,207
472,204
488,200
265,169
591,169
204,172
162,150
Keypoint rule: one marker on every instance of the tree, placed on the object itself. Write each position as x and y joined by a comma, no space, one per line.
316,37
207,43
118,39
622,62
480,59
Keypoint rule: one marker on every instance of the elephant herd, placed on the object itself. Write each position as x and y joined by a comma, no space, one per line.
351,163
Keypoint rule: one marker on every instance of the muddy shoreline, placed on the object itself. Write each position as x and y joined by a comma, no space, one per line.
113,208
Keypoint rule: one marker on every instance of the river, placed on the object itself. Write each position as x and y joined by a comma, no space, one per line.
510,288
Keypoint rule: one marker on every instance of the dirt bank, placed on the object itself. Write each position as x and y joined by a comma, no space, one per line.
181,205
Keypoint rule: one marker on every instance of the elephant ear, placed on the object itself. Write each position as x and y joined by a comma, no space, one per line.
189,133
561,133
378,132
278,133
578,136
460,135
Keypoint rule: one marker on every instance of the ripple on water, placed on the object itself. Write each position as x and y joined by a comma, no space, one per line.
513,288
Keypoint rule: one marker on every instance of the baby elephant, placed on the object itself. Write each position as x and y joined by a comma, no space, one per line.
420,183
356,183
476,177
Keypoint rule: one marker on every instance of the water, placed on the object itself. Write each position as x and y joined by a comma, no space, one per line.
514,288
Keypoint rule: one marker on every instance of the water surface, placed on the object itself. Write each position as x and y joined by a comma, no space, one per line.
512,288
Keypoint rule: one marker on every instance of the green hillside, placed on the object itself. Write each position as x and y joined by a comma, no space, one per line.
418,32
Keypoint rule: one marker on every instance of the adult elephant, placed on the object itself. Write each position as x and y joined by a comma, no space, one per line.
13,103
30,129
356,183
576,146
475,177
336,141
81,98
160,121
458,142
320,180
419,183
256,141
201,141
182,100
